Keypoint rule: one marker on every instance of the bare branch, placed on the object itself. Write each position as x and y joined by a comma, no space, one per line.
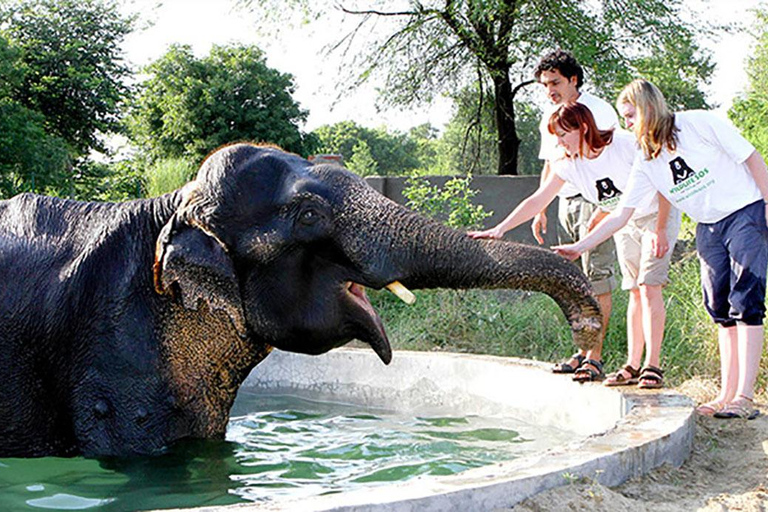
378,13
520,86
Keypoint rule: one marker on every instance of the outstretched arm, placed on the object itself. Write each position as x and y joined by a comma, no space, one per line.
611,224
529,207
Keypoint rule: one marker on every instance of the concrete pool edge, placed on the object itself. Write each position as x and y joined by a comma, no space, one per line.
657,429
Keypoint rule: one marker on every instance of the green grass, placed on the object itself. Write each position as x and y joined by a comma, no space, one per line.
507,323
168,175
530,325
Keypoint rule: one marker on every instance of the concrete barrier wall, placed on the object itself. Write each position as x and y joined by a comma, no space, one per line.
499,194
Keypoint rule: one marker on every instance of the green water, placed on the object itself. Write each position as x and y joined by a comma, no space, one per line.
277,447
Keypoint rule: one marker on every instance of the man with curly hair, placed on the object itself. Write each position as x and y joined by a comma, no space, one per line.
562,77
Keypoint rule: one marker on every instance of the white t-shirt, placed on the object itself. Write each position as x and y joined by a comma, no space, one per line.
602,180
605,119
705,177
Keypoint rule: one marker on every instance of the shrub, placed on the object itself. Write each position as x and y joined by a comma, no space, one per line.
452,204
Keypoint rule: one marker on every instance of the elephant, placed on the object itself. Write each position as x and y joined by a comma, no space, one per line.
125,327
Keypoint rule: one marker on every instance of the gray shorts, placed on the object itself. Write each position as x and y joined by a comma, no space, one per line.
633,244
599,263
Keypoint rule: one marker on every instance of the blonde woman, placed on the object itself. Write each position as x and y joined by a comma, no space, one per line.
703,166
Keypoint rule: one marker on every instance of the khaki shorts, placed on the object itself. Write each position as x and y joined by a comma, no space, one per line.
599,263
636,259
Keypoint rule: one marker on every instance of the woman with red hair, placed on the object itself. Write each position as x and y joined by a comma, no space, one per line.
597,162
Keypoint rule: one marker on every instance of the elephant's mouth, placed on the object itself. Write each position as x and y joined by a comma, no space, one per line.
376,336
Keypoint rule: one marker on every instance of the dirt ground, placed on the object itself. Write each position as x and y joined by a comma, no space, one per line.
727,470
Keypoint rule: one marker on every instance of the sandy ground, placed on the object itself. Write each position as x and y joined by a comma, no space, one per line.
727,470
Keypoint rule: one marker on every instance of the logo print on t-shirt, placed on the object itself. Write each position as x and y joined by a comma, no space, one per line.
680,170
606,189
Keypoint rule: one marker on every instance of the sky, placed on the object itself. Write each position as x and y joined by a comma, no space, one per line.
300,52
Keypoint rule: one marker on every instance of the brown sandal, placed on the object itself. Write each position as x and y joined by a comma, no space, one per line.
651,378
620,378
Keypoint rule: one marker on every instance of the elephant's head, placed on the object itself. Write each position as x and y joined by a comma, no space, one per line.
286,249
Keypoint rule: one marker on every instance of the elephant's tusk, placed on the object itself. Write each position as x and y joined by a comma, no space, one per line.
403,293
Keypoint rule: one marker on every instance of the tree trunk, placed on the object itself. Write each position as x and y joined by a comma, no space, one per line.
504,110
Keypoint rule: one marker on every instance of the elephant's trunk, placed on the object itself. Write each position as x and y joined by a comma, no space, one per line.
458,261
422,253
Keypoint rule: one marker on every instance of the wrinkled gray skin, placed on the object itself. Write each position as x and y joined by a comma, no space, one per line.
126,327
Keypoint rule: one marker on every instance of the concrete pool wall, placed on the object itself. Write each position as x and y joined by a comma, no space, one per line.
623,432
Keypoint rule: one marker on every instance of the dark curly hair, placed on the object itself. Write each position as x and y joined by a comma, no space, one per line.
562,61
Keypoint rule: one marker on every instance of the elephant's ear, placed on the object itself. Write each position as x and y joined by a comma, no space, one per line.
194,264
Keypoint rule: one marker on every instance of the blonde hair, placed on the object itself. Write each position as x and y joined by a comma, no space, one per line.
654,124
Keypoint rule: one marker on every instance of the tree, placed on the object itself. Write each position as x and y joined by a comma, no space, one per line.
102,181
468,144
750,113
189,106
434,46
362,161
30,158
72,68
393,153
426,139
678,69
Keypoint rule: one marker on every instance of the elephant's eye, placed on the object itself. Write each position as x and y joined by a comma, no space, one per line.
308,217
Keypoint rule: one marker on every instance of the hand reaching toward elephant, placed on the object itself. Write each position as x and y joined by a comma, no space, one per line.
567,251
493,233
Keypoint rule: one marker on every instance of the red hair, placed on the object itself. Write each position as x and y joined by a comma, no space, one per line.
575,116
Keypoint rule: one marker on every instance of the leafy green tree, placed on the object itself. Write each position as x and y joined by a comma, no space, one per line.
189,106
393,152
426,139
528,117
362,161
106,181
434,46
677,68
71,66
30,158
468,144
750,113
